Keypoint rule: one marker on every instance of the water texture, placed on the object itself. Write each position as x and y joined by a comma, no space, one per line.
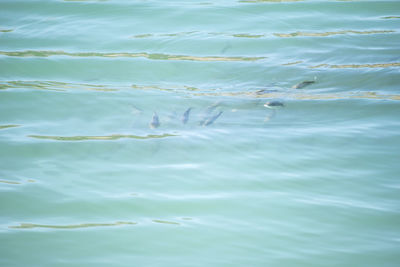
199,133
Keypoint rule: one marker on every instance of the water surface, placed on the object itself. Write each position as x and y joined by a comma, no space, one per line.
85,180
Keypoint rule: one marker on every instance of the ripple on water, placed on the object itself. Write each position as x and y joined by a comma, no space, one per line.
49,53
268,1
325,34
357,66
53,86
9,126
343,203
106,137
166,222
71,226
6,30
9,182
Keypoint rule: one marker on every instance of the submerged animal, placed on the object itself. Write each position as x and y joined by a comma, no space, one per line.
274,104
302,84
155,122
208,111
212,119
185,116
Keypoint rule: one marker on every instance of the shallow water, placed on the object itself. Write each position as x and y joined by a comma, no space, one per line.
85,180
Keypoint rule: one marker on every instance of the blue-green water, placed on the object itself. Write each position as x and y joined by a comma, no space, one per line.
85,180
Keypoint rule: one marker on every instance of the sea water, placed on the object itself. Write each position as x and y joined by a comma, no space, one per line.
85,180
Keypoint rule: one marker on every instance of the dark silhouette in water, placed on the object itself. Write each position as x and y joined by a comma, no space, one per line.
302,84
155,122
208,111
274,104
212,119
185,116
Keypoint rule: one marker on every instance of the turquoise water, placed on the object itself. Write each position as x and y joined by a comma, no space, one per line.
85,180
